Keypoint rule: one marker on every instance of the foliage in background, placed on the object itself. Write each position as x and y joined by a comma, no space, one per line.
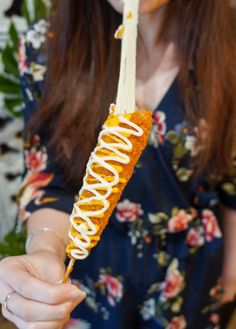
9,79
14,242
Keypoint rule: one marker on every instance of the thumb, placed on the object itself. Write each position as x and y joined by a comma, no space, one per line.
48,266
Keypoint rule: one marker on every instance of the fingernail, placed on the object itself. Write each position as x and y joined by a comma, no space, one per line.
75,293
83,294
60,281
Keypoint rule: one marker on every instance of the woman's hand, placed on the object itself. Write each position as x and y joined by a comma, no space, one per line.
229,276
41,300
229,267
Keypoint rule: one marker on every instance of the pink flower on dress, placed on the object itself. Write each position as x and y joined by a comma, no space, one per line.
128,211
114,288
195,237
36,140
159,120
173,284
35,159
177,322
179,222
23,64
30,190
210,225
215,318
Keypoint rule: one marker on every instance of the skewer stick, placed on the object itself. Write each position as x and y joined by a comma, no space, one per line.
125,102
69,270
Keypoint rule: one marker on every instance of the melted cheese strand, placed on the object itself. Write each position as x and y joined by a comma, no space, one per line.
125,102
87,231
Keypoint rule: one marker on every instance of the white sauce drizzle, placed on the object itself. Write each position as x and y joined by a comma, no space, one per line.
87,230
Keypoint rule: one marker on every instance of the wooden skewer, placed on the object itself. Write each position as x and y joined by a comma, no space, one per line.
69,270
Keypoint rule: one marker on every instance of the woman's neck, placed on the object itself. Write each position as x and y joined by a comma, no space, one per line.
149,28
157,60
153,50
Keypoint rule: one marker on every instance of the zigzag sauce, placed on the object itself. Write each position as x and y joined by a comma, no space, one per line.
87,231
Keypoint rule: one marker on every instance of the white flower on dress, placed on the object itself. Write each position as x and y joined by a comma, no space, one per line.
191,145
41,26
38,71
35,38
184,174
37,35
147,310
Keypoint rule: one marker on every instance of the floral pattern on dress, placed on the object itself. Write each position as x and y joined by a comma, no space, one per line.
179,221
23,64
36,36
128,211
31,191
36,178
199,227
167,300
110,286
195,237
210,225
158,131
132,214
214,306
36,156
107,285
173,284
178,322
185,145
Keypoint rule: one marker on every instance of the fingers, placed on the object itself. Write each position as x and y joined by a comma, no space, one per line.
34,311
228,296
21,324
229,288
31,288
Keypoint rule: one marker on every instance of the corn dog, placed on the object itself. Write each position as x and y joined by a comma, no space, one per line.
109,169
123,137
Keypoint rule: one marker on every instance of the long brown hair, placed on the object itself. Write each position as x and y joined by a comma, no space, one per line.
83,70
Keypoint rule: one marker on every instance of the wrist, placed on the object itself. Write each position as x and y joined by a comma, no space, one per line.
45,239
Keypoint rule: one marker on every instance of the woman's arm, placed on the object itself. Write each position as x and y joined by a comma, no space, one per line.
56,221
40,299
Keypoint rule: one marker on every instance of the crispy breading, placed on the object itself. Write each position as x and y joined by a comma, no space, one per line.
144,120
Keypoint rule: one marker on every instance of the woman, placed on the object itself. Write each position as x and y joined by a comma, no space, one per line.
159,262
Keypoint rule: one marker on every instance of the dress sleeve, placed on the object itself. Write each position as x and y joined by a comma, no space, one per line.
43,185
227,188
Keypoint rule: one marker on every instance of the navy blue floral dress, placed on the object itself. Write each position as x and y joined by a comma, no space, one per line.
158,264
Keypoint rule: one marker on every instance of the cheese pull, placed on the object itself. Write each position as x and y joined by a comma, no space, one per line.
110,167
